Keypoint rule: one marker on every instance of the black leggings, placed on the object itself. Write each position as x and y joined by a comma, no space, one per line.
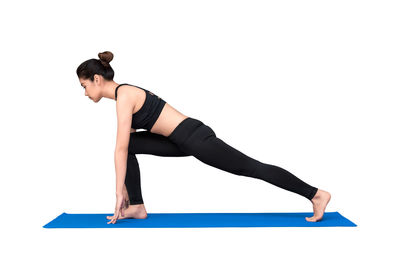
193,138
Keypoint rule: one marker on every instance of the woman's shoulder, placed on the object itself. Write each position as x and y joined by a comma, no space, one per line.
134,95
130,91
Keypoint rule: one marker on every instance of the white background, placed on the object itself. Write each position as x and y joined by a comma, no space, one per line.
310,86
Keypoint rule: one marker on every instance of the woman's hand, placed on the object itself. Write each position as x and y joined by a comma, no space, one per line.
118,208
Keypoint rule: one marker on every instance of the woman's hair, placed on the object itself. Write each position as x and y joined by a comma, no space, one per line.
90,67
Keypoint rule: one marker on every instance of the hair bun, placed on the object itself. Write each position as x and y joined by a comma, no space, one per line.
106,57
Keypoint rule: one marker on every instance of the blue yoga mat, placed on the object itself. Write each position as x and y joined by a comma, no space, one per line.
189,220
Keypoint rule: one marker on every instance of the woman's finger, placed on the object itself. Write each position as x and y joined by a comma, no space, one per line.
118,215
115,217
118,211
112,219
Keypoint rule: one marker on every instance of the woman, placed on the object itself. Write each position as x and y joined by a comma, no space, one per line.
171,134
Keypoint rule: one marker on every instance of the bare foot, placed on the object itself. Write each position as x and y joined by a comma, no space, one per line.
320,200
137,211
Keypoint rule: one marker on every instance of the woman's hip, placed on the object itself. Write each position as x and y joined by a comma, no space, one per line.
190,129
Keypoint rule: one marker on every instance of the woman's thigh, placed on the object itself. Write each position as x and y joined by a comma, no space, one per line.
204,145
145,142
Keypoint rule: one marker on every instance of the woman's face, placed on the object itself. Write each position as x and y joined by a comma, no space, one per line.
91,89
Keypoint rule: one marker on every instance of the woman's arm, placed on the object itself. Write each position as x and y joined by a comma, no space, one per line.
124,117
120,160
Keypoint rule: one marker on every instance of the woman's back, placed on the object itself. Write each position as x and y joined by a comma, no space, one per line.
152,113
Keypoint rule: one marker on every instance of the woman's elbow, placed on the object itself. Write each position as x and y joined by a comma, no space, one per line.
121,149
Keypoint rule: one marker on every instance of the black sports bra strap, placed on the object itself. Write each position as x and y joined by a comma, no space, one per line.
116,89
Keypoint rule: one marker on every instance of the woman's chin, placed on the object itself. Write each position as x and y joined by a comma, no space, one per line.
95,100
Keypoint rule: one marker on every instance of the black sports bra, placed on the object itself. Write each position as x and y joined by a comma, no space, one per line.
149,112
